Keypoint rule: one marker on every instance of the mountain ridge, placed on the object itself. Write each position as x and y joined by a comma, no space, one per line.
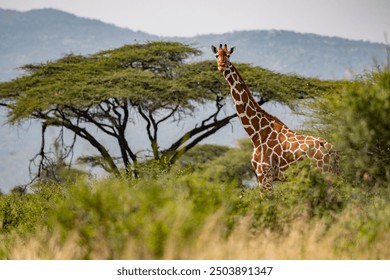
45,34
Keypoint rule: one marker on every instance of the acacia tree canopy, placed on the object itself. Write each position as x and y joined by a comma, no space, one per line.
155,81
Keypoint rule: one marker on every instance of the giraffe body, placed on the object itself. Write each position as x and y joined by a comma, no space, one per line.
275,146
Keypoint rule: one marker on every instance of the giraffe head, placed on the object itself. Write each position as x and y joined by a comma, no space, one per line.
222,54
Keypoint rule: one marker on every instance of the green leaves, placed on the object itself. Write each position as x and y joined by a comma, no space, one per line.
358,121
152,75
287,89
142,73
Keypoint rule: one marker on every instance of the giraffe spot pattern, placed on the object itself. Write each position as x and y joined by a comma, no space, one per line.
275,145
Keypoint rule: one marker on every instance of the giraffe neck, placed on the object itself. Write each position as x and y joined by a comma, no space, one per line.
256,122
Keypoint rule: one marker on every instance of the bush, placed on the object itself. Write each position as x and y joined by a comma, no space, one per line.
358,121
147,213
22,213
364,226
233,164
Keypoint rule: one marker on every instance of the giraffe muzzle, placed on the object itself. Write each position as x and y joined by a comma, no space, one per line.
221,67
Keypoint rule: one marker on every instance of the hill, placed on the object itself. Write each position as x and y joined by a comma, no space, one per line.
309,55
41,35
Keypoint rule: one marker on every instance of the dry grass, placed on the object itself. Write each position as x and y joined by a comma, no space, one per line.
302,242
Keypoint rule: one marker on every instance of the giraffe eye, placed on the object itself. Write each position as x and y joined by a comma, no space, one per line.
228,55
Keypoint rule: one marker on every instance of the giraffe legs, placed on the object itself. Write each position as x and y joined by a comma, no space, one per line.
264,176
265,181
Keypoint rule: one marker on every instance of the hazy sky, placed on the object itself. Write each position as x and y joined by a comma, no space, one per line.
354,19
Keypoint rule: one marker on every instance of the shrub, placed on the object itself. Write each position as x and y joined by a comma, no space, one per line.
358,121
146,214
23,212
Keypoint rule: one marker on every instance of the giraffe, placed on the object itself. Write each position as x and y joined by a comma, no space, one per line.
275,146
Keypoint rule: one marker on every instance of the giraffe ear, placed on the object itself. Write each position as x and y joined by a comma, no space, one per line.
232,50
214,49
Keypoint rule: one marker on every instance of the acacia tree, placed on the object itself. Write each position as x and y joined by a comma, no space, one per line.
152,81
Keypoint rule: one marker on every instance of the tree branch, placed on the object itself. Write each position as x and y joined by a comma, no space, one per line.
216,125
102,126
169,115
83,133
177,153
41,154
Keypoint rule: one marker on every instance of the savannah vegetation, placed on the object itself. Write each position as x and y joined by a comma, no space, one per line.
188,200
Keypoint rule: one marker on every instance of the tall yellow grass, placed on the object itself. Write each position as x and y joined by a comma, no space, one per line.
303,242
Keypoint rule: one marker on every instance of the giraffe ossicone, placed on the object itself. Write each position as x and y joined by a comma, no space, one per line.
275,146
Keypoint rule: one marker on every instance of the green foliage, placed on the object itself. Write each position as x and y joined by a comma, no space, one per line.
166,214
223,164
143,73
365,223
151,211
307,195
152,75
358,121
23,212
166,210
318,194
288,89
233,165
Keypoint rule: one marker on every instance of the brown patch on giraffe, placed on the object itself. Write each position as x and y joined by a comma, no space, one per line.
278,149
230,80
235,95
249,130
310,142
244,97
321,139
256,140
255,124
316,145
274,136
303,146
311,152
272,143
264,122
277,126
240,109
286,145
264,133
283,164
249,111
282,138
318,154
294,146
245,121
239,87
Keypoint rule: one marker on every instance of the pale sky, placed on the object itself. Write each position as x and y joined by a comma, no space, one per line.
353,19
